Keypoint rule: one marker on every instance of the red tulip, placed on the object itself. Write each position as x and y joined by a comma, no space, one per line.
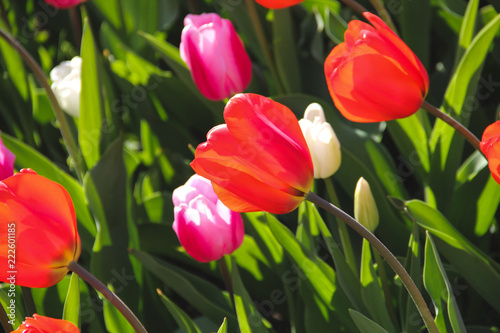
374,76
278,4
38,231
41,324
6,162
490,146
214,53
63,4
206,228
258,160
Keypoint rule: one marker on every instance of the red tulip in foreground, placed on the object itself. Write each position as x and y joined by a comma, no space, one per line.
490,146
38,226
374,76
206,228
41,324
258,160
278,4
63,4
214,53
6,162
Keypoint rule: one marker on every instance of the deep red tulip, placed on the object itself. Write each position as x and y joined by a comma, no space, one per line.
38,227
6,162
214,53
206,228
63,4
41,324
490,146
277,4
374,76
258,160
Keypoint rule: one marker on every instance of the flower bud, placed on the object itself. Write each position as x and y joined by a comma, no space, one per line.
6,162
365,208
321,140
206,228
67,85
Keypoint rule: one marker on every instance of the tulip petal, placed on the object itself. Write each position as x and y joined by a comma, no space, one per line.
42,324
490,146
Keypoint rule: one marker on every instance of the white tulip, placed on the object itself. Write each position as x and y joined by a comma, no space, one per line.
67,85
365,208
321,140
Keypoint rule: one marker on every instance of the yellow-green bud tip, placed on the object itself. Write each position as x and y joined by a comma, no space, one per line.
365,208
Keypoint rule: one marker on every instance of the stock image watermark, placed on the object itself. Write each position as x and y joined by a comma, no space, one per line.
11,271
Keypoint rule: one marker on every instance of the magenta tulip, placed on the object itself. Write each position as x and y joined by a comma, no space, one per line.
214,53
206,228
6,162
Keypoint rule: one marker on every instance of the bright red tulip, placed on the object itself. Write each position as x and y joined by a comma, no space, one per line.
258,160
38,226
41,324
63,4
206,228
214,53
490,146
278,4
6,162
374,76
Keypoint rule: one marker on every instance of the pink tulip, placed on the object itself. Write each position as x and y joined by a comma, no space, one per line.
206,228
64,4
214,53
6,162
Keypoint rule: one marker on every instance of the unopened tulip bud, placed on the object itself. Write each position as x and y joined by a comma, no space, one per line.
322,141
67,85
365,208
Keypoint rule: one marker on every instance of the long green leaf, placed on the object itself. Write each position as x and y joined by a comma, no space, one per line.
365,325
181,318
71,311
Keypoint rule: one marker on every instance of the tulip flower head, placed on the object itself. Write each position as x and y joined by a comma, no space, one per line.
374,76
42,324
64,4
7,159
278,4
67,85
490,146
365,208
206,228
321,140
215,55
37,219
259,159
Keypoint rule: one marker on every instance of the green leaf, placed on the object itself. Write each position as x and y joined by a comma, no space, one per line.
249,318
477,268
467,28
364,324
14,66
436,282
487,206
71,311
223,327
202,295
181,318
91,102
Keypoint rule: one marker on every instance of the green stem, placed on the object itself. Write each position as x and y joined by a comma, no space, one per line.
4,319
77,28
110,296
261,37
226,276
453,123
356,6
28,301
384,14
5,16
385,286
386,254
344,233
38,72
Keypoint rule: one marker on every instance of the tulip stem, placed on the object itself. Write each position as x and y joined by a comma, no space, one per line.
37,71
261,37
77,28
28,301
384,14
386,254
110,296
7,327
356,6
226,276
344,234
453,123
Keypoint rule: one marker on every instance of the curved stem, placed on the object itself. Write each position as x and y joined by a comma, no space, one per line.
37,71
384,14
110,296
388,256
356,6
453,123
254,17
